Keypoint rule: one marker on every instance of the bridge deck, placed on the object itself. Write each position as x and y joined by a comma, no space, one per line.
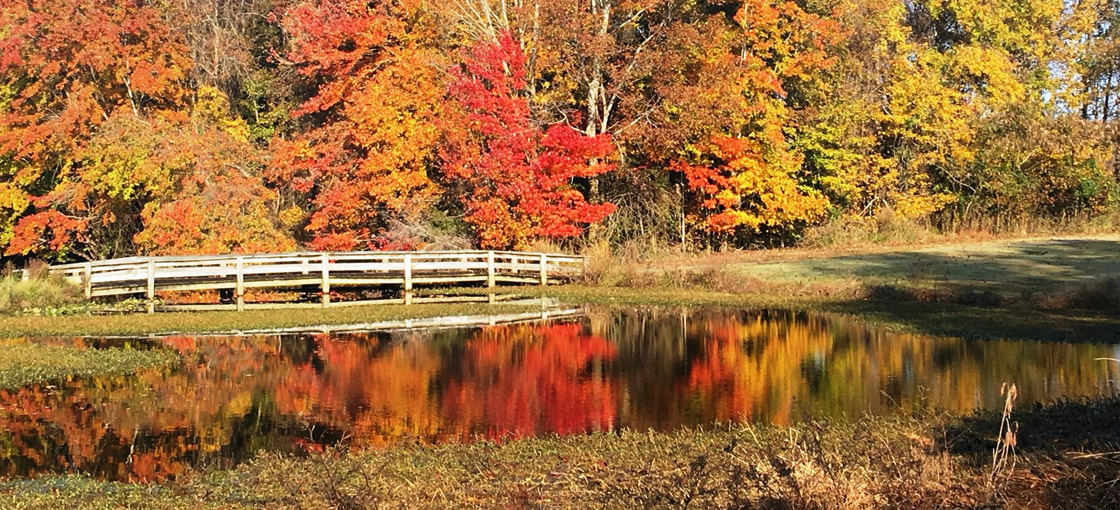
319,271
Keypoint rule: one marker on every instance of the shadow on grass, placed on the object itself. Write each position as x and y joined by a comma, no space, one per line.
1022,267
999,322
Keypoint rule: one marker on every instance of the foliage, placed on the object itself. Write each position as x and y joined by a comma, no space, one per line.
514,180
379,89
68,68
208,126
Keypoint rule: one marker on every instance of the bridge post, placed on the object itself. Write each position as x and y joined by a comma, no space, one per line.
326,285
490,276
240,284
151,286
544,270
408,278
490,269
87,279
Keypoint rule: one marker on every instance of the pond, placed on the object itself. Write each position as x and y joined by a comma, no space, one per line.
235,396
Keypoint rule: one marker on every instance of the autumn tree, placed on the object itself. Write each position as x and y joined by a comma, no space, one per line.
515,181
365,159
67,67
218,201
726,113
161,185
232,45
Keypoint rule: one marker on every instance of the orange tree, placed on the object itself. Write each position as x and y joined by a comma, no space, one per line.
364,159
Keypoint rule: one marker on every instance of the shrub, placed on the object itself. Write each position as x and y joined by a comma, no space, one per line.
39,291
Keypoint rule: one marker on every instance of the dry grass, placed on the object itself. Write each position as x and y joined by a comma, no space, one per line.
807,467
929,460
888,230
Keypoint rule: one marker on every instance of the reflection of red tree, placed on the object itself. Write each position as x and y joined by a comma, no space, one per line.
550,380
714,376
515,380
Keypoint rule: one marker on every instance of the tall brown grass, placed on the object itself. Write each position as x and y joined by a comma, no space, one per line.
39,291
888,229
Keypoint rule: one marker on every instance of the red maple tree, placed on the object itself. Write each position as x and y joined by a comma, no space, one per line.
516,180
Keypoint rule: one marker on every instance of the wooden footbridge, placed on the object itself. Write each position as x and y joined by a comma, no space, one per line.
387,273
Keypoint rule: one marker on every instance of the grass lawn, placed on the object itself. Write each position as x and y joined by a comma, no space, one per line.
1004,266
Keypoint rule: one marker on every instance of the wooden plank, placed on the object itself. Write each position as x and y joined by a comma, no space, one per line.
197,307
450,299
358,281
88,280
490,269
448,279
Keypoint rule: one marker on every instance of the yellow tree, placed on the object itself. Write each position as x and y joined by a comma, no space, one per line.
727,108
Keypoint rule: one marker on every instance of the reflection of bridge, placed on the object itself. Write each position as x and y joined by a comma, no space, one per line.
550,310
319,273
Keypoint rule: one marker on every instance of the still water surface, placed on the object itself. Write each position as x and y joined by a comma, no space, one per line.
234,396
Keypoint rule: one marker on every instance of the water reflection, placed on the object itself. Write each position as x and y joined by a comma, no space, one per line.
234,396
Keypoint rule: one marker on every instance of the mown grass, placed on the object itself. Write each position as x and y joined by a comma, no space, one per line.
1016,270
930,460
203,322
23,363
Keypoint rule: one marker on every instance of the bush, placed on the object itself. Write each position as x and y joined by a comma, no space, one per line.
1102,293
38,292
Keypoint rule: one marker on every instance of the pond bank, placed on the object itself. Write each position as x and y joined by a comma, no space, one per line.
923,461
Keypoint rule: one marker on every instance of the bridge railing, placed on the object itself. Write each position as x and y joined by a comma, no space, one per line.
324,270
